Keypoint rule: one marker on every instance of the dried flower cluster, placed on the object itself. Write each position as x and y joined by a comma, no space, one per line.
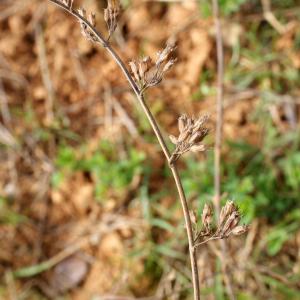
147,73
111,14
85,30
192,131
228,224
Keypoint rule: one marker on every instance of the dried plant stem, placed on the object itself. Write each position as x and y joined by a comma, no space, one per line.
154,125
219,106
219,138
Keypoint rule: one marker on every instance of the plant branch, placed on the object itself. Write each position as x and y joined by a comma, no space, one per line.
207,240
155,127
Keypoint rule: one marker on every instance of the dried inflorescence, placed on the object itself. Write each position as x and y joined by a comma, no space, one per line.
228,224
148,73
85,30
111,14
192,131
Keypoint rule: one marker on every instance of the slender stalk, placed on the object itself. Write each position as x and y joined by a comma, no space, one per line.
219,106
155,127
219,138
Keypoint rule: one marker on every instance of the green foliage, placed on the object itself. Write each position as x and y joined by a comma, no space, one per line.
206,87
282,232
110,172
227,7
7,215
231,6
281,290
266,69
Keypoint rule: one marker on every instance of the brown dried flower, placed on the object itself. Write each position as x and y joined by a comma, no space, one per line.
241,229
207,217
68,3
192,132
229,219
85,30
148,73
226,211
232,221
228,224
111,14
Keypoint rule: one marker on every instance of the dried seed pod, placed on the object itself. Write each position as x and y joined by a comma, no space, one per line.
145,65
184,136
207,217
92,19
68,3
182,121
230,223
111,14
226,211
196,137
198,148
85,30
241,229
134,70
164,55
168,65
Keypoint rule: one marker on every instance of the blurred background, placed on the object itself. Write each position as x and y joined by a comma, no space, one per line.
88,208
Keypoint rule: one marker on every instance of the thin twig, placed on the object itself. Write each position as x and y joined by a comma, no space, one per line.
219,138
219,107
154,125
213,238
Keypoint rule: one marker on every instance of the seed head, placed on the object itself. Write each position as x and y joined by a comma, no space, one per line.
111,14
192,131
226,211
148,73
